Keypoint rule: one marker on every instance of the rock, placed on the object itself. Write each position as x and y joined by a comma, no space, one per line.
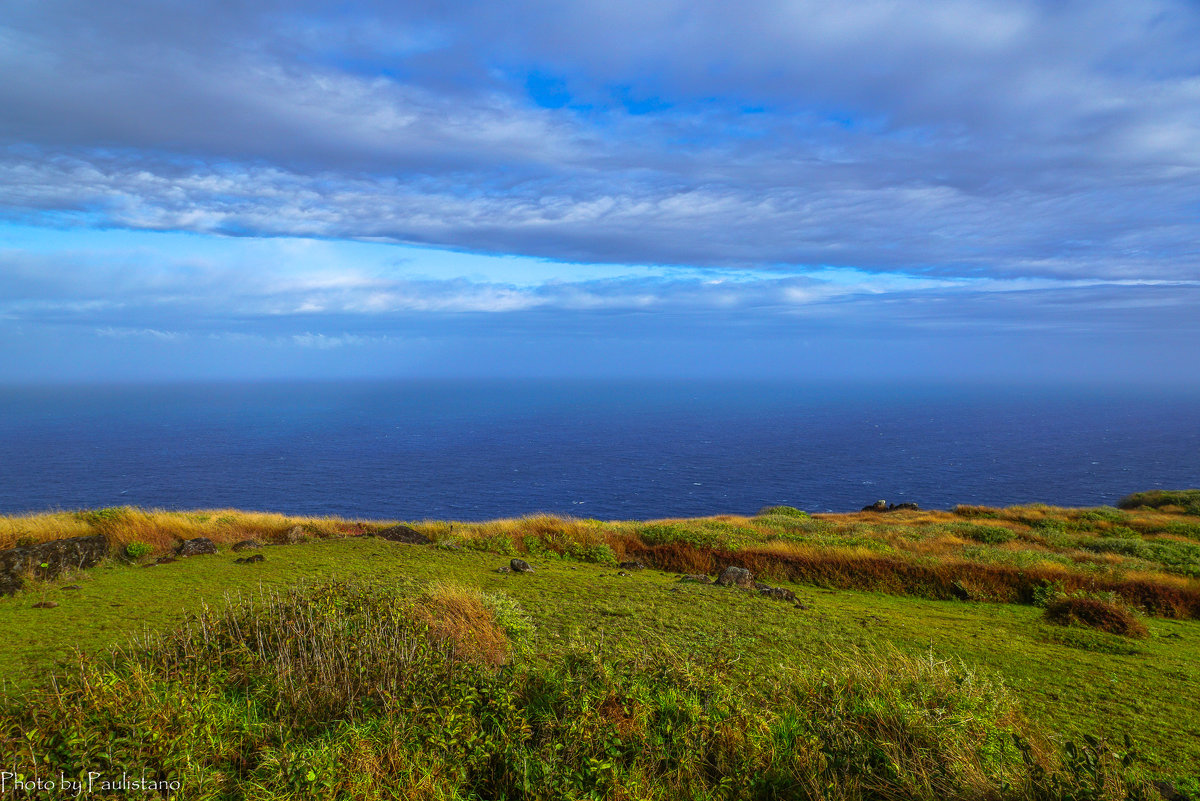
878,506
247,560
736,577
504,569
909,505
45,605
1168,791
778,593
698,579
71,587
520,566
622,573
198,546
247,545
164,560
635,565
47,559
405,534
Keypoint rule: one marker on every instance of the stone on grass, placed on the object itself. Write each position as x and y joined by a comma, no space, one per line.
247,545
247,560
634,565
778,593
736,577
403,534
198,546
45,605
47,559
520,566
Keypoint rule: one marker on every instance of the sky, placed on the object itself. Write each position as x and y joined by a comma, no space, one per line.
933,189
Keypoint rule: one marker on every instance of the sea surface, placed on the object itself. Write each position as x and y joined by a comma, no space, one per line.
473,450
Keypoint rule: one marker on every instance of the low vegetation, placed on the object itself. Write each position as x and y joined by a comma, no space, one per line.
1025,652
349,691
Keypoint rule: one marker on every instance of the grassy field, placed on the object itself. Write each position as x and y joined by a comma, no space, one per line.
907,591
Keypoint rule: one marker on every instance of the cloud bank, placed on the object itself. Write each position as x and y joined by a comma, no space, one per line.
956,138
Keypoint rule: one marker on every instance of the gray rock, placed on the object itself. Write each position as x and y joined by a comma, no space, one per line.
48,559
908,505
404,534
247,560
198,546
778,593
878,506
247,545
520,566
736,577
71,587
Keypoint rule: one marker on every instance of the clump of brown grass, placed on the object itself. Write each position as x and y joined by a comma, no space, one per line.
1096,613
458,616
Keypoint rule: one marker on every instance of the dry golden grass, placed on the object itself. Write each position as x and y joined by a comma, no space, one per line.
458,615
162,529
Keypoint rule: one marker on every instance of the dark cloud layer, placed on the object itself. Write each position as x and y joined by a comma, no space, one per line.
960,138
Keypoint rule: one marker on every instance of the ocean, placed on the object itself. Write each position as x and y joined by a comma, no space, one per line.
475,450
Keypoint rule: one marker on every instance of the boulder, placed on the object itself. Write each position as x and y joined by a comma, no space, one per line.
878,506
405,534
48,559
197,546
908,505
736,577
247,545
520,566
248,560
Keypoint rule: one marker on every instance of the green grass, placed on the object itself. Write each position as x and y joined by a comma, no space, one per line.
1070,684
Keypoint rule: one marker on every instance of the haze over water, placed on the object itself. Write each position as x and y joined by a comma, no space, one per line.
473,450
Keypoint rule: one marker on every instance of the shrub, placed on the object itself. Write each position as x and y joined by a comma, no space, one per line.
136,550
789,511
1187,500
1096,613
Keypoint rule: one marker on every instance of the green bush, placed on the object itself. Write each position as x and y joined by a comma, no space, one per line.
136,550
1188,500
788,511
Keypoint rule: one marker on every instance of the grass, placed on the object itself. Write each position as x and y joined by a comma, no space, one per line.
883,585
344,690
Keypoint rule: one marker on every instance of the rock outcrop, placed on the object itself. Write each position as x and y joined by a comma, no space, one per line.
247,545
405,534
736,577
47,559
197,546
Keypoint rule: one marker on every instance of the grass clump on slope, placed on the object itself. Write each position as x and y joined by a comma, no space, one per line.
344,691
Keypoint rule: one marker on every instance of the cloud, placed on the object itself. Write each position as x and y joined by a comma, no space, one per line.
958,137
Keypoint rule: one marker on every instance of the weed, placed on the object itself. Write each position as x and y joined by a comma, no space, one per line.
1097,613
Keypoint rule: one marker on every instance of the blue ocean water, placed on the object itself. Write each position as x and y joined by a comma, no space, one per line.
472,450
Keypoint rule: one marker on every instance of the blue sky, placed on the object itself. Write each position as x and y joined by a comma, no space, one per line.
952,190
